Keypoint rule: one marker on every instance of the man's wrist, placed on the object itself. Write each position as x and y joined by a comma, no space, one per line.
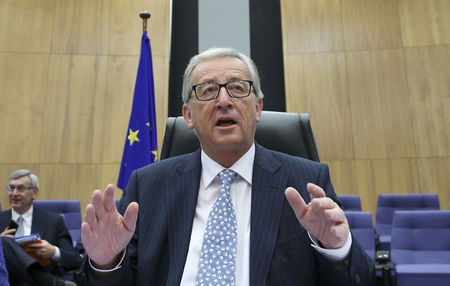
112,268
336,255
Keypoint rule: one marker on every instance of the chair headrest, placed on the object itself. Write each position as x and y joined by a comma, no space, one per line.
290,133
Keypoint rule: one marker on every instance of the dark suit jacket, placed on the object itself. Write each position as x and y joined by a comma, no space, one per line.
52,228
280,251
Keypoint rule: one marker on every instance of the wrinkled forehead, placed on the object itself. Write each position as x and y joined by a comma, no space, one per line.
220,69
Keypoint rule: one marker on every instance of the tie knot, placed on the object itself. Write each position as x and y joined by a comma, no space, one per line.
227,176
20,219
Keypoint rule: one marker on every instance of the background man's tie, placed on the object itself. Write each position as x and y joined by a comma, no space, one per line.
218,255
19,231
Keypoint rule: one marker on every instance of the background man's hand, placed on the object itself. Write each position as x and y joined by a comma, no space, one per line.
322,217
104,232
9,232
42,249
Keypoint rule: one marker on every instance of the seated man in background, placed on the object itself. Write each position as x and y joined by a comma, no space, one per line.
55,246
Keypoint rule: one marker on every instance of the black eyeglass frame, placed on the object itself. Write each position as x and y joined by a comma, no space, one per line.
220,87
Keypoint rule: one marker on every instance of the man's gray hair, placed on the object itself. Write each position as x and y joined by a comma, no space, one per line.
17,174
213,53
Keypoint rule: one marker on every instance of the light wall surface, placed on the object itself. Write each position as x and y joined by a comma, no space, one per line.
375,77
67,75
374,74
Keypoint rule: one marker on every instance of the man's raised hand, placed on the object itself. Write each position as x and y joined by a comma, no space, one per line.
322,217
104,232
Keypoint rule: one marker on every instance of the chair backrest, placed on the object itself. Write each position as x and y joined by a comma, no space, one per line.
388,203
350,202
289,133
361,226
421,237
69,210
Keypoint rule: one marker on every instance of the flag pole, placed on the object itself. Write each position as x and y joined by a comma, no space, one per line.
144,15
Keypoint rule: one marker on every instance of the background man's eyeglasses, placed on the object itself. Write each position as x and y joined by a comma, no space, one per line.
210,90
19,188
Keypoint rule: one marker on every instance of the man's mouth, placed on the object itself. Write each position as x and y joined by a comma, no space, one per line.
225,122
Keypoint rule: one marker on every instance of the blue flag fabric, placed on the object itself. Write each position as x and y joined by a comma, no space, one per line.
140,143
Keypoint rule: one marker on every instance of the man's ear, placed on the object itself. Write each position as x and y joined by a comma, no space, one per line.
187,115
35,192
259,108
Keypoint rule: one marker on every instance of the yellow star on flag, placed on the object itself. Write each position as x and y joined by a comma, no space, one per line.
133,136
155,152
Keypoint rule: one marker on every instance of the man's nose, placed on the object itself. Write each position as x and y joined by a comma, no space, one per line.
223,97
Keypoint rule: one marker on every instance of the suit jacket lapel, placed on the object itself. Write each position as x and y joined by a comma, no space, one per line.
267,202
36,224
182,193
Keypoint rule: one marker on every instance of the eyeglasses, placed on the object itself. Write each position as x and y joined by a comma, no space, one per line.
19,188
210,90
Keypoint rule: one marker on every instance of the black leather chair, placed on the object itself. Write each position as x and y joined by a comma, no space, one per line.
290,133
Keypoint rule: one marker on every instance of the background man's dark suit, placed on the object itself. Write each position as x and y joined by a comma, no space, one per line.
280,251
50,227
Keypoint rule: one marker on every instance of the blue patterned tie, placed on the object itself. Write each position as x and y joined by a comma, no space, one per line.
218,255
19,231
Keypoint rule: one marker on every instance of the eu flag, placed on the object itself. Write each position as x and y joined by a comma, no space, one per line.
140,143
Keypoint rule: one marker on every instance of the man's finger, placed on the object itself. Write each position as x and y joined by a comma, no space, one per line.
315,191
130,216
86,232
90,217
296,201
109,202
336,215
97,202
320,204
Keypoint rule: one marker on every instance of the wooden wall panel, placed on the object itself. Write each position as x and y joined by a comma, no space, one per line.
428,72
26,26
69,181
118,101
317,83
369,178
371,24
81,27
342,174
381,117
434,178
316,25
110,174
125,25
425,22
374,177
67,76
23,84
73,125
390,95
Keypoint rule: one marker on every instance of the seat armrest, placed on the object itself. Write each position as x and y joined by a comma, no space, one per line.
384,265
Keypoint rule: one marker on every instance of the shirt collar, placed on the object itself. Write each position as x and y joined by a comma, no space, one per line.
26,216
243,167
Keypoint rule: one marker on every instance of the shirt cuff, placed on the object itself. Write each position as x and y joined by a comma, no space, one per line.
336,255
118,266
57,255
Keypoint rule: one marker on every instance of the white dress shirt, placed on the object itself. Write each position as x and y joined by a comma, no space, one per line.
241,196
27,220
